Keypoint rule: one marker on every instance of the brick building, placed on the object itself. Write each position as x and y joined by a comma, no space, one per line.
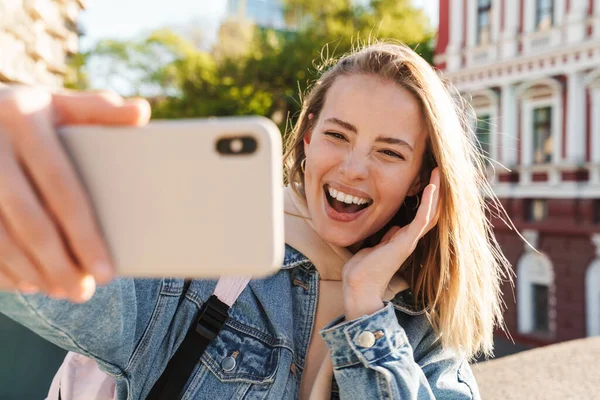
36,37
531,71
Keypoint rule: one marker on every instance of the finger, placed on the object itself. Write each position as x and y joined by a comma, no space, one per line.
435,180
103,108
435,209
425,214
80,227
47,164
14,263
33,231
35,142
435,177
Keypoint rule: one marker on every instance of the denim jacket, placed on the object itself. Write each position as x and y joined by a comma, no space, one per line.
132,327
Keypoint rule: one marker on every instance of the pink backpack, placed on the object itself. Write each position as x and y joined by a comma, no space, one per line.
79,377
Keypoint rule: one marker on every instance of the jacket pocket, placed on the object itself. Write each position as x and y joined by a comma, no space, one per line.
241,354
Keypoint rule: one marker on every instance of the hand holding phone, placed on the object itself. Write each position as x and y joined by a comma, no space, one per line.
49,238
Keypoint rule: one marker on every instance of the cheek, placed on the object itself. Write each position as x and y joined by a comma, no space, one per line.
322,156
393,188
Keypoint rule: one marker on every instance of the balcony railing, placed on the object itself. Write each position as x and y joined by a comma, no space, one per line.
540,41
528,174
551,181
481,55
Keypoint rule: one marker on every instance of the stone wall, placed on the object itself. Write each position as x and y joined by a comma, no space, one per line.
36,37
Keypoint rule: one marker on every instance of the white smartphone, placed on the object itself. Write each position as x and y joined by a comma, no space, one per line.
199,198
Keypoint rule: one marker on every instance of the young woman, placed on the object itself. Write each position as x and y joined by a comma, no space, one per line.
391,276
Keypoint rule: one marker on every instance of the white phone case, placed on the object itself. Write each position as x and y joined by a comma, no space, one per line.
169,204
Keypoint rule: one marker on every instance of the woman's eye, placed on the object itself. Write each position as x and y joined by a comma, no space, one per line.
336,135
392,154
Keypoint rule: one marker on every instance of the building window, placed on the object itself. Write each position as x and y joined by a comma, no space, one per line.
544,14
540,308
484,13
483,133
541,123
542,135
535,291
536,210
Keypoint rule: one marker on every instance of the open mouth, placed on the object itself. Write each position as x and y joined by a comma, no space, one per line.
345,203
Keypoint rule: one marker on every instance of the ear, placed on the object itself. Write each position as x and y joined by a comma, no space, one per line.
307,138
308,134
416,187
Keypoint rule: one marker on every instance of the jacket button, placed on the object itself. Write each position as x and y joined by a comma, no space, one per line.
228,364
366,339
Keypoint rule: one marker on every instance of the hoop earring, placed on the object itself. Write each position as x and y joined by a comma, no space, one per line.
416,206
303,165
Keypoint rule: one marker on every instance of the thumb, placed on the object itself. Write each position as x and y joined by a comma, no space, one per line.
102,108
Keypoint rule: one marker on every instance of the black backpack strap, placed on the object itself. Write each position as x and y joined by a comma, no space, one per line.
210,321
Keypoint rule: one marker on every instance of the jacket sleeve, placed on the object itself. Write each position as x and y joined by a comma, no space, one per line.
373,359
106,328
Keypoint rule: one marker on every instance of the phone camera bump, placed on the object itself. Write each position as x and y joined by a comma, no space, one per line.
233,146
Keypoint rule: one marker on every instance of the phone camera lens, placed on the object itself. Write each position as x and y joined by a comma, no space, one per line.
236,145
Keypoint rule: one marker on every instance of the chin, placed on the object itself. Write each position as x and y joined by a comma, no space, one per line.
340,239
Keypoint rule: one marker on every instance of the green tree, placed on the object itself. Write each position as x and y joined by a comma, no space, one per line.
77,75
252,70
285,63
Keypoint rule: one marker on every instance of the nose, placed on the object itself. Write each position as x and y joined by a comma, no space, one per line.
355,167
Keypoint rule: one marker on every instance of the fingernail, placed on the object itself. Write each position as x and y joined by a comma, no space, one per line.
86,289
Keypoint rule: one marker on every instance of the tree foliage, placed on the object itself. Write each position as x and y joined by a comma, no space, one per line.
250,70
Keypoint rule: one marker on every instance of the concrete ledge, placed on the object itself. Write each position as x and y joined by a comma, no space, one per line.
569,370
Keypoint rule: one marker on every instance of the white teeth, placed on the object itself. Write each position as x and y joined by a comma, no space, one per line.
346,198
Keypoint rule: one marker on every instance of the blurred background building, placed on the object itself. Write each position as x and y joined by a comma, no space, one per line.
36,37
531,71
266,13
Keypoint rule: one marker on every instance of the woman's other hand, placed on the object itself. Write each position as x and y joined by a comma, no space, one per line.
367,274
49,239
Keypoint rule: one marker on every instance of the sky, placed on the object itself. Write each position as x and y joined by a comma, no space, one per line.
121,19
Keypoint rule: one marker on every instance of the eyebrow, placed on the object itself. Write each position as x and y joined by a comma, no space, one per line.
382,139
343,124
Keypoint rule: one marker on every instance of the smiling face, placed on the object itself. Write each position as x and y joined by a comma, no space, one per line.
363,157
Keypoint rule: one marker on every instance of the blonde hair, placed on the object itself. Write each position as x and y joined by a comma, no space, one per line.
456,270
